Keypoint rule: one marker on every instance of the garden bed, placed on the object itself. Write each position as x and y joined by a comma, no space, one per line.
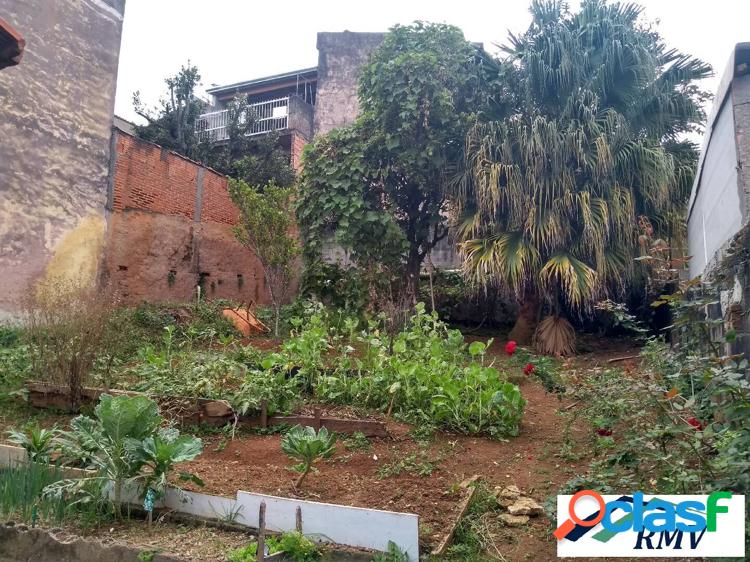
214,413
404,471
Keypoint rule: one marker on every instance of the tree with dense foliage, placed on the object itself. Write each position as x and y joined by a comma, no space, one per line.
588,148
266,225
379,186
173,123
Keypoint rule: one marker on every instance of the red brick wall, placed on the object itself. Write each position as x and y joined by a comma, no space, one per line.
157,250
298,143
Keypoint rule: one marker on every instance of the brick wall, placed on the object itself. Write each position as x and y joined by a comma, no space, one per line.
170,227
298,143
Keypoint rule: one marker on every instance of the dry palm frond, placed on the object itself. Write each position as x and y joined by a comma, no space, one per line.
555,336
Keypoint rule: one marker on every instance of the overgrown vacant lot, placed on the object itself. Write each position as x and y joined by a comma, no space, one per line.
416,468
619,415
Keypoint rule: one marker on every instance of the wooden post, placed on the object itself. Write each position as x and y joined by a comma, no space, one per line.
298,520
316,421
264,414
262,532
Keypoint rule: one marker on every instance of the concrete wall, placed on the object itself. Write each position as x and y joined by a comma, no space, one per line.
56,108
170,228
340,56
719,204
717,213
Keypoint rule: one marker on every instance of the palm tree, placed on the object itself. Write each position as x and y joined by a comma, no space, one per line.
585,145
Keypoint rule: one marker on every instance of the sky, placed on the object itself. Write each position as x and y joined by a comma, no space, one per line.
235,40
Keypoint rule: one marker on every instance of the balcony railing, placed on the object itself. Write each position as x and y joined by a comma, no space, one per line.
270,115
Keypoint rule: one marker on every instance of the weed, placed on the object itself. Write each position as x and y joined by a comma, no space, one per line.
409,464
393,554
476,534
146,555
357,442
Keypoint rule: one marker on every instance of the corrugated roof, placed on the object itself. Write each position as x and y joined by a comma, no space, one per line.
264,80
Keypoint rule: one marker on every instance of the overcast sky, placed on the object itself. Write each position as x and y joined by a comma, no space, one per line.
235,40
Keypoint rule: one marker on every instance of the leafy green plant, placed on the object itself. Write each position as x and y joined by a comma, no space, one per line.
22,498
159,453
146,555
249,553
393,554
38,442
357,441
118,443
15,365
309,447
298,547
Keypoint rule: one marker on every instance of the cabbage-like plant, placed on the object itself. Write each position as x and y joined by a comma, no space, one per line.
309,447
159,453
38,442
123,444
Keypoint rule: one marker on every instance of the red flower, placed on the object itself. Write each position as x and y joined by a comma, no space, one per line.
695,423
510,347
528,369
604,432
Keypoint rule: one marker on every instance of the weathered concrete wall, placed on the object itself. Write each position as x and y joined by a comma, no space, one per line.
340,57
56,112
170,228
20,544
716,213
719,204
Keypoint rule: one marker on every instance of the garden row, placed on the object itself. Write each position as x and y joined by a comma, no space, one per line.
424,374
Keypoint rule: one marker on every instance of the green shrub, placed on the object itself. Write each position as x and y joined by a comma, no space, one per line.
298,547
37,441
9,335
124,443
295,546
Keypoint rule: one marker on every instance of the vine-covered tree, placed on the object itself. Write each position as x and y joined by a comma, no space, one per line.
172,124
266,228
590,146
379,186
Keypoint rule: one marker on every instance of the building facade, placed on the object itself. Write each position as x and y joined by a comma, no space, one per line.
55,133
719,207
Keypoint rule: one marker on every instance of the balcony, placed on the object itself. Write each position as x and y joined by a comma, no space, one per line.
278,114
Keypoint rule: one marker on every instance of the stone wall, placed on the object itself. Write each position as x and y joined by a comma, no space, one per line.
170,230
56,108
340,57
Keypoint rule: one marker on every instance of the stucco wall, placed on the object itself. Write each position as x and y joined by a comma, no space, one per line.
56,109
170,228
340,57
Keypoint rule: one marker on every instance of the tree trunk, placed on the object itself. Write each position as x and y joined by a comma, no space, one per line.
525,326
277,314
413,267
